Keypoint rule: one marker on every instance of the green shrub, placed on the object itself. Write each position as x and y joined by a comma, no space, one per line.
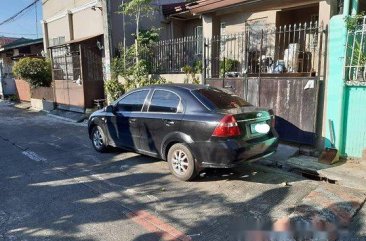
230,65
352,22
192,71
37,72
114,89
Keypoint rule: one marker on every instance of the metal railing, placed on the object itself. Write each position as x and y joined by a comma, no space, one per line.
355,56
170,56
293,48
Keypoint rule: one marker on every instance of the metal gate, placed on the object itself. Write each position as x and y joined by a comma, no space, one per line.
78,74
273,68
67,76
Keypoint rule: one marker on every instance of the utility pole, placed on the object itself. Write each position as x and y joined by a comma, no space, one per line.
35,7
124,37
106,8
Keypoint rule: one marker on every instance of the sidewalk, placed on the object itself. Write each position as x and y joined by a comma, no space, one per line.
349,173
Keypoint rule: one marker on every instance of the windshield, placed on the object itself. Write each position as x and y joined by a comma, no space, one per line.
221,99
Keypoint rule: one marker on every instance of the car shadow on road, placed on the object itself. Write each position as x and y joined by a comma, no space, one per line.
64,204
248,173
77,197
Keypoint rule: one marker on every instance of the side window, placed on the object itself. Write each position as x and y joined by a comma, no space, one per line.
133,102
164,101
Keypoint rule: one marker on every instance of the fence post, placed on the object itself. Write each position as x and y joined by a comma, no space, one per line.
223,72
260,69
204,65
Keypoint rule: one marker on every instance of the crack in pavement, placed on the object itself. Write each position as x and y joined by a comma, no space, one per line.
14,144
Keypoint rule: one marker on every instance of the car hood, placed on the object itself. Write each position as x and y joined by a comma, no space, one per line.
98,113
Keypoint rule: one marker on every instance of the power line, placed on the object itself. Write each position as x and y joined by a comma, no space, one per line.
28,34
12,18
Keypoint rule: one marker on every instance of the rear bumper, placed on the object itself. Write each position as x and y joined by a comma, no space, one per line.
230,153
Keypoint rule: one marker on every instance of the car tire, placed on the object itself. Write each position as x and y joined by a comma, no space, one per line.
181,162
98,139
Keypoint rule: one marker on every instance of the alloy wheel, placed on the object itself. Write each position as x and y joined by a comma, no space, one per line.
98,139
180,162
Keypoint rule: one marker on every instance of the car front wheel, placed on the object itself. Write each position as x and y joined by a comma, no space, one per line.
98,139
181,162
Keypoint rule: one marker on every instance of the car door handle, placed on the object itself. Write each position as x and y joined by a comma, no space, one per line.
169,122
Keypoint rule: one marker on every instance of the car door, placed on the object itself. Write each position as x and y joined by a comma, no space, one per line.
127,119
162,117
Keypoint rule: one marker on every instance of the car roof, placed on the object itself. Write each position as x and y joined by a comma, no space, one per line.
177,86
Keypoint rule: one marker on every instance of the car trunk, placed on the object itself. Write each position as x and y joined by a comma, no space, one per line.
248,118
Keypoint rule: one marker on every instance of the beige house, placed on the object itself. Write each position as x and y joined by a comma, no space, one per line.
81,37
233,16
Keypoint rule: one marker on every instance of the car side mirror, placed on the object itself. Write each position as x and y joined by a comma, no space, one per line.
109,109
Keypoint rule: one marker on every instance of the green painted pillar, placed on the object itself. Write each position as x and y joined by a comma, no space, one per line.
335,87
346,7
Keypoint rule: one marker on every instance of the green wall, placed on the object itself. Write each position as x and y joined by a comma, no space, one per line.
355,121
346,105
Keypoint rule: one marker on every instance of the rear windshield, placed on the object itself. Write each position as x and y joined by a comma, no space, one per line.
221,99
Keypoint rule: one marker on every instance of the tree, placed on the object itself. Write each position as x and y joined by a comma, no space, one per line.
137,9
36,71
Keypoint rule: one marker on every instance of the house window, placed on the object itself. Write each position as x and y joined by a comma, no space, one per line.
198,33
66,63
57,41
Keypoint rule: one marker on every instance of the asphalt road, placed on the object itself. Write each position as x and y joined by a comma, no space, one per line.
54,186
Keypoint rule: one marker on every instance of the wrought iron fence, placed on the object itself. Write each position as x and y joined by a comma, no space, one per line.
170,56
355,56
287,49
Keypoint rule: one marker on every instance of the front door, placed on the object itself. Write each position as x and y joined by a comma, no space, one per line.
125,124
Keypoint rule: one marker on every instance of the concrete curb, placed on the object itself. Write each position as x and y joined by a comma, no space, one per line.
67,120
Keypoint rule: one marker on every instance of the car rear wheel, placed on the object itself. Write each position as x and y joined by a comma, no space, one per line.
98,139
181,162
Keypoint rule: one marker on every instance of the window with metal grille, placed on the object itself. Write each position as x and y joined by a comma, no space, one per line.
66,63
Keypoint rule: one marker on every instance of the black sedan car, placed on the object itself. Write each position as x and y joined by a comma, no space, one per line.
192,127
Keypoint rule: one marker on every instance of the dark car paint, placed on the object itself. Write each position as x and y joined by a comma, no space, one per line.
154,133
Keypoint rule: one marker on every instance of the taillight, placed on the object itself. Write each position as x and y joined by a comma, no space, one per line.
228,127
